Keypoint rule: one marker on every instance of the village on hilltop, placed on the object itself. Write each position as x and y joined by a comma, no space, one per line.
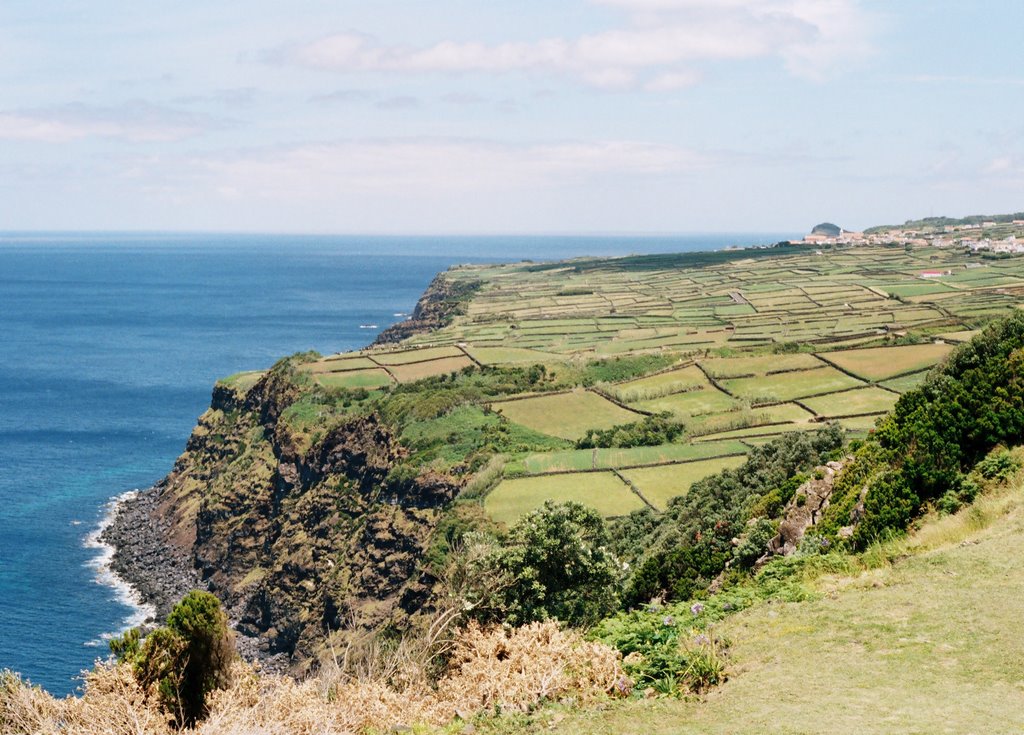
1005,237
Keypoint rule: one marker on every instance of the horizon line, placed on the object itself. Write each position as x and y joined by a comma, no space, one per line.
285,233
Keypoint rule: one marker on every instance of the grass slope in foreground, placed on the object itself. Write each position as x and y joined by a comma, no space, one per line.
925,639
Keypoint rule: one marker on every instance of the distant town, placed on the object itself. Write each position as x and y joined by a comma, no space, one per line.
1004,234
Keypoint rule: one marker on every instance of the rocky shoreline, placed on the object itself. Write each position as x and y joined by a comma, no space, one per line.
158,572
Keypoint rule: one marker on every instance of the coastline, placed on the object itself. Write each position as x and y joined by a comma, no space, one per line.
151,576
137,558
127,594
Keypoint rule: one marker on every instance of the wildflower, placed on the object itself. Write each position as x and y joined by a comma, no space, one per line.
696,608
701,640
668,620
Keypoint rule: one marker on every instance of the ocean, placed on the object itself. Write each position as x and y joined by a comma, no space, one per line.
110,346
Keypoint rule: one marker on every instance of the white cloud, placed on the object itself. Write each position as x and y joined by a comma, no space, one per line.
135,121
410,167
661,45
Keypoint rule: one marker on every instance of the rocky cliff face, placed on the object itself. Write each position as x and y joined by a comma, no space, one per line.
443,299
301,536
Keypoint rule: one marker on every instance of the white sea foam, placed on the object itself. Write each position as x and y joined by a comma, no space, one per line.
105,575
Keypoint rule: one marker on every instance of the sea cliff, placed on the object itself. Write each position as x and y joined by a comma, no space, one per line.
295,528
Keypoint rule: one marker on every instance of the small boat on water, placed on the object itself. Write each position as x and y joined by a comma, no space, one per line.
367,326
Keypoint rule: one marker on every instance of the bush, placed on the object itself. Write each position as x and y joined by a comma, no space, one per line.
936,434
998,465
555,563
185,660
648,432
889,506
753,544
668,649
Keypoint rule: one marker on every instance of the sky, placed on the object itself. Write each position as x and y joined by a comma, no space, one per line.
534,116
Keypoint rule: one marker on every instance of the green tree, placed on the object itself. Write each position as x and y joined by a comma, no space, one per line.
184,660
560,564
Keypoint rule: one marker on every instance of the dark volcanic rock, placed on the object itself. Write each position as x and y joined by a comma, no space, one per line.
160,572
442,300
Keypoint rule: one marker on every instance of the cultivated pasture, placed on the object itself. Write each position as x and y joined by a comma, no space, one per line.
748,344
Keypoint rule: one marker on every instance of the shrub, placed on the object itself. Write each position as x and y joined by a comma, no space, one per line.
668,649
753,544
648,432
998,465
888,508
555,563
185,660
937,433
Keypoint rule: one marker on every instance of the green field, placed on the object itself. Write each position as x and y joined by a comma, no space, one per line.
787,386
663,384
750,417
660,484
511,355
586,459
962,336
341,364
692,403
906,382
602,491
566,415
404,357
731,367
376,378
887,362
243,381
852,402
756,431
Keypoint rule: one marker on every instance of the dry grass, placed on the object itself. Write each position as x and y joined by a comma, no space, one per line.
494,669
566,415
880,363
418,370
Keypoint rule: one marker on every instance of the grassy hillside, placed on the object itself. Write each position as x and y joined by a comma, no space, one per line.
926,639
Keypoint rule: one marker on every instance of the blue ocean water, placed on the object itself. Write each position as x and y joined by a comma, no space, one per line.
109,347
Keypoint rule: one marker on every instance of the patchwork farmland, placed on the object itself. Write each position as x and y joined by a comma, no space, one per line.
734,347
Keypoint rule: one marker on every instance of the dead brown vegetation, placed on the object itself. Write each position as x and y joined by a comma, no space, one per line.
499,668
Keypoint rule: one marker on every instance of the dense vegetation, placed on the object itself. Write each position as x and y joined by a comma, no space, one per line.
923,451
648,432
680,552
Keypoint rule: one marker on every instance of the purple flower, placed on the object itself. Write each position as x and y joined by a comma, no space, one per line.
696,608
702,640
668,620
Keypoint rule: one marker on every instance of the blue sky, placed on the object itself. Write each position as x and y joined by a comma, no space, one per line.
480,116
